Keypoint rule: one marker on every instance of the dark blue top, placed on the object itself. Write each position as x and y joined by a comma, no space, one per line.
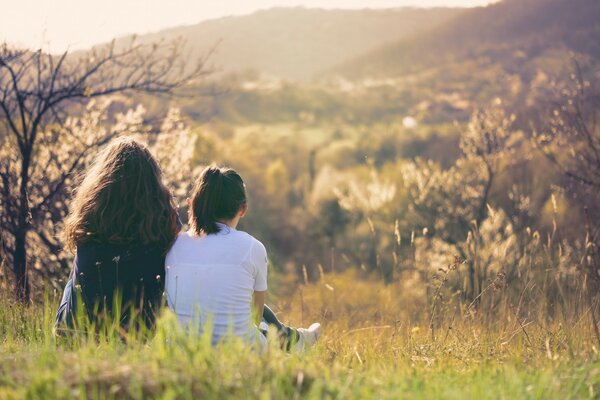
101,273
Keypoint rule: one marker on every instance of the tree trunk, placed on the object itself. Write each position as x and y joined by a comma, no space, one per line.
22,290
20,267
474,267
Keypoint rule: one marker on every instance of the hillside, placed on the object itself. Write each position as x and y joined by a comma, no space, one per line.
296,43
526,28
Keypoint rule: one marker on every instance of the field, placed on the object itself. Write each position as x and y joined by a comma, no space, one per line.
368,349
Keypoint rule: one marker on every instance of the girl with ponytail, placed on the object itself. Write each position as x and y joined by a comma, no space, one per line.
217,274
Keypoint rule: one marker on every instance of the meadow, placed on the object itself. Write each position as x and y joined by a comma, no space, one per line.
378,341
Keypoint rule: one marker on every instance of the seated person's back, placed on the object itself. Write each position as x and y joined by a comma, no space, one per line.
134,274
211,279
121,223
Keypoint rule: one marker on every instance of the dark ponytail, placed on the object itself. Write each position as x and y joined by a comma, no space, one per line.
218,194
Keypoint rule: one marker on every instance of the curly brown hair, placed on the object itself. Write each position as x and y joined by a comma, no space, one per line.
122,200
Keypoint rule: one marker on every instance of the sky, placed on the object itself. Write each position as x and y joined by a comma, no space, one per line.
58,25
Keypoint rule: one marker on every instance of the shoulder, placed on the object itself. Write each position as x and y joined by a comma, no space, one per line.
84,248
183,239
251,240
259,247
256,253
88,253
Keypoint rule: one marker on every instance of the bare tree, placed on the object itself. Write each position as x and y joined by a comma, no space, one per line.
488,141
38,92
570,139
570,136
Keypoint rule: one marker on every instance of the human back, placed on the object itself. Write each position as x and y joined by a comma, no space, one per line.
121,224
211,279
215,274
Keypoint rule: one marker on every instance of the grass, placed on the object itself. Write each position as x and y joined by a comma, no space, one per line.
373,346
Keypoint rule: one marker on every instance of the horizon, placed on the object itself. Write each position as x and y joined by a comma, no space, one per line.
61,28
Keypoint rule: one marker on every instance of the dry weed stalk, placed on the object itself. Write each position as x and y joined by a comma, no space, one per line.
437,296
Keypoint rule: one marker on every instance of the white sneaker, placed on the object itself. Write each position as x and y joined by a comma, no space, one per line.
308,337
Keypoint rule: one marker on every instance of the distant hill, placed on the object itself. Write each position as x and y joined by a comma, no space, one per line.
296,43
499,33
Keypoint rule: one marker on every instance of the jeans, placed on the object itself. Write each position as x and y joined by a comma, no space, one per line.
287,335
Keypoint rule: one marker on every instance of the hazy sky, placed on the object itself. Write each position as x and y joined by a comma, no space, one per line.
56,25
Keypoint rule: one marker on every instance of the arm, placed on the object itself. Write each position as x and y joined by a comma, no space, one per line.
259,261
259,305
65,313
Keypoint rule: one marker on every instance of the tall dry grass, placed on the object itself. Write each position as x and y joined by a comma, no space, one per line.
529,333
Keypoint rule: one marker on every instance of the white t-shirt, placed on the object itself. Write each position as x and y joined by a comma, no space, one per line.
212,279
